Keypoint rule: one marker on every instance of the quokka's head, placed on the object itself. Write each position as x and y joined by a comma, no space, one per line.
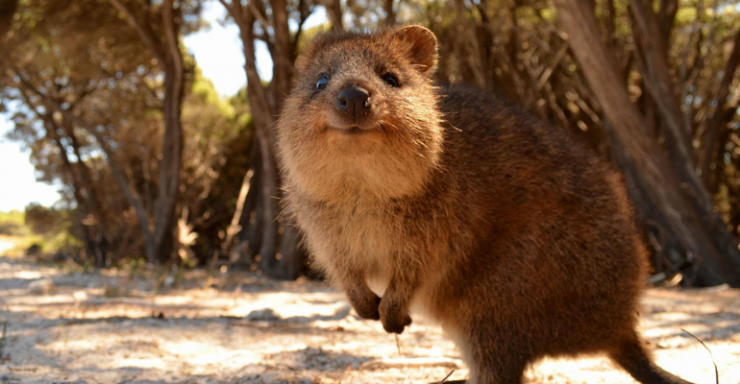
362,119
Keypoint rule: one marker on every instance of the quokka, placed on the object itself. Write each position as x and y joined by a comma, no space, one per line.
445,201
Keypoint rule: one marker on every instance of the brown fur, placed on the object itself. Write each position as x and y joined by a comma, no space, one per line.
446,202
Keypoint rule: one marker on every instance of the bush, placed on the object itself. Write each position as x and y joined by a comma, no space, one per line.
11,223
42,220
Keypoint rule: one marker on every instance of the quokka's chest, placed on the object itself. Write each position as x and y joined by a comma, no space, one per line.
368,232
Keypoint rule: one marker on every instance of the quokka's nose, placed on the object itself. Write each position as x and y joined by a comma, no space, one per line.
353,101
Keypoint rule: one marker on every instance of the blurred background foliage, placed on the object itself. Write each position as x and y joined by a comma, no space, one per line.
155,164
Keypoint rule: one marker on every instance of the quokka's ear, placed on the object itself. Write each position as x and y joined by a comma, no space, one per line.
422,46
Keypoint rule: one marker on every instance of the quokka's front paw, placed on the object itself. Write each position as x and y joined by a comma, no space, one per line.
393,316
366,305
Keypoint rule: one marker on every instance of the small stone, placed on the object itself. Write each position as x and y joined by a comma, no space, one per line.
42,286
266,314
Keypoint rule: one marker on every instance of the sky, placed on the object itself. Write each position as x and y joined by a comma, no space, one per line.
217,50
18,185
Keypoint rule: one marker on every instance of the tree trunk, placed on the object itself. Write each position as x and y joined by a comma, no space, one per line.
265,103
132,196
667,249
243,253
684,217
263,114
713,127
7,10
160,238
292,256
390,14
268,170
92,244
169,167
678,132
334,11
89,203
283,59
95,208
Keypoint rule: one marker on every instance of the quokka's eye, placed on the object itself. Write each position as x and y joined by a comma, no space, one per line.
391,80
323,81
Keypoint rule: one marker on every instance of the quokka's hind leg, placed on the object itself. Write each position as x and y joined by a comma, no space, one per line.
495,358
632,356
500,373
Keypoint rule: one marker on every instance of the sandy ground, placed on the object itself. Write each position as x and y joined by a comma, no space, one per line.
111,327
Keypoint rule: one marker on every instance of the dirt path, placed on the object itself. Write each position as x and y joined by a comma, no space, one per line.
230,328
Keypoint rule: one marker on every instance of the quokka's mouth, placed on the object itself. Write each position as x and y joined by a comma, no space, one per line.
353,130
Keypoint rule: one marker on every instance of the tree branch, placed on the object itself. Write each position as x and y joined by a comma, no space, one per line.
147,35
717,119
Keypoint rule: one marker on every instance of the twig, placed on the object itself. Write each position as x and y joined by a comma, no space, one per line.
716,371
446,377
416,362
